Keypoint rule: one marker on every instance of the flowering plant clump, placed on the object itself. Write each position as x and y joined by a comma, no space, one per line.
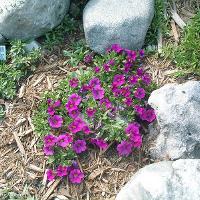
105,104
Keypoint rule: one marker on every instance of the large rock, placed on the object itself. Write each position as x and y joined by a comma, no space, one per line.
167,180
115,21
177,132
28,19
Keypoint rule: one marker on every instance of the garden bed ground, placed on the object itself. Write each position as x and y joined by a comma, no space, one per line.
22,163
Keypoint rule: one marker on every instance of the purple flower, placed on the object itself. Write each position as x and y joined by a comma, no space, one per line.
127,66
128,101
125,91
86,130
76,176
51,110
64,140
88,58
136,140
79,146
111,62
48,150
50,175
133,79
76,125
148,115
98,92
73,82
118,80
106,102
106,67
84,88
146,79
94,82
75,98
132,129
97,69
140,71
140,93
49,101
57,103
116,48
90,112
74,114
141,52
116,91
139,109
124,148
50,140
131,55
71,106
55,121
101,143
61,171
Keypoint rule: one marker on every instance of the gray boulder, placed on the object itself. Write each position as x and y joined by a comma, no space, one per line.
167,180
28,19
115,21
177,131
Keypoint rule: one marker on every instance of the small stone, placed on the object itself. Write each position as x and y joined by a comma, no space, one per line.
32,46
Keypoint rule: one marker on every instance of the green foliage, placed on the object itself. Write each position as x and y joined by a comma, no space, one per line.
6,194
76,53
18,64
57,35
159,23
187,54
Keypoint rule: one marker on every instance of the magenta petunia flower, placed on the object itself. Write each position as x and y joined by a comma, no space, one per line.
133,79
98,92
117,48
84,88
106,67
50,175
101,143
70,106
75,98
146,79
57,103
74,114
51,110
148,115
128,101
116,91
139,109
64,140
74,82
94,82
61,171
50,140
76,176
48,150
127,66
118,80
97,69
141,52
90,112
136,140
49,101
132,129
125,91
88,58
111,62
124,148
79,146
131,55
140,71
106,102
86,130
74,127
55,121
139,93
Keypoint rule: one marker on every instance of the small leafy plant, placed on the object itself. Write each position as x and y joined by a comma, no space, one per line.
103,105
18,64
